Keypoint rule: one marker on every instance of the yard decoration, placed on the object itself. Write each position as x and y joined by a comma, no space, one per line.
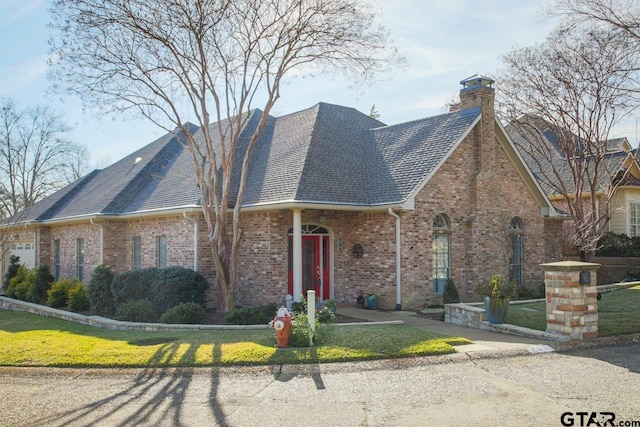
496,293
372,301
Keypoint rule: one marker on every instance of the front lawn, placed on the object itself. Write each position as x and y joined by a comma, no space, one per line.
30,340
618,313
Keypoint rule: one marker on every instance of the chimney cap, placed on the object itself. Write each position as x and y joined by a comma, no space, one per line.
476,81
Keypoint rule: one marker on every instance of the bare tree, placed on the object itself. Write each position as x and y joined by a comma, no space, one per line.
211,61
613,15
562,99
34,157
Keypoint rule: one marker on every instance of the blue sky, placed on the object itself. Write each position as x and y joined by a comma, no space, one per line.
444,42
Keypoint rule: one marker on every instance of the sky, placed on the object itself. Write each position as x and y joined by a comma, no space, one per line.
444,42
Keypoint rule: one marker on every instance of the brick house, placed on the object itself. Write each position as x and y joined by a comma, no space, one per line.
336,201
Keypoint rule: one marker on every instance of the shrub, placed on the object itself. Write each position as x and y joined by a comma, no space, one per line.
132,285
185,312
164,287
524,292
77,298
58,295
21,283
325,311
174,285
99,291
140,310
325,314
301,332
251,315
41,284
450,294
612,244
12,270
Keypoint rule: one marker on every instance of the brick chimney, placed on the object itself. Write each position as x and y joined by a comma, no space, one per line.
477,92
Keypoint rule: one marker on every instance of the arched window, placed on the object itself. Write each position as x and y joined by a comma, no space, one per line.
516,271
440,252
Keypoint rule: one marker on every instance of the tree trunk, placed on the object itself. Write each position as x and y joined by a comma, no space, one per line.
587,256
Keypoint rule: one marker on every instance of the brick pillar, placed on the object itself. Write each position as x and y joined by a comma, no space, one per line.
572,304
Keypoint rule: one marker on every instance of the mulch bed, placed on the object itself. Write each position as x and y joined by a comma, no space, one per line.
216,318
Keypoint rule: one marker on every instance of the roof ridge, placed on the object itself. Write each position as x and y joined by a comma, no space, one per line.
461,113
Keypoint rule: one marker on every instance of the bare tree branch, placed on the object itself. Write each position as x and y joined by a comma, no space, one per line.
34,157
563,98
210,61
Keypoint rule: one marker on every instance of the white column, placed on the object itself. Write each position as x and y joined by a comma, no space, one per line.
297,255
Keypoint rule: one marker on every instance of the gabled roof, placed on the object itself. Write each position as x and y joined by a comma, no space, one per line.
554,161
325,155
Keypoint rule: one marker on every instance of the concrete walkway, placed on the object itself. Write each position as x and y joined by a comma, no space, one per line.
485,343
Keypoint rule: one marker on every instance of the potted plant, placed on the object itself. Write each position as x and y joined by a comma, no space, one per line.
372,301
496,293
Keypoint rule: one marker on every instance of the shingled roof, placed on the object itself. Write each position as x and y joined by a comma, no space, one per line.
327,154
551,167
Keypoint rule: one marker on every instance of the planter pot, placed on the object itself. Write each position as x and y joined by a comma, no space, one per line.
496,309
372,302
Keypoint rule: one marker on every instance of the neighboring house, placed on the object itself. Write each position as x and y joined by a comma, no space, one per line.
621,173
336,201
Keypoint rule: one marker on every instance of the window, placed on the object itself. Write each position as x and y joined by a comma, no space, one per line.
161,251
137,253
56,259
516,231
440,252
634,219
80,259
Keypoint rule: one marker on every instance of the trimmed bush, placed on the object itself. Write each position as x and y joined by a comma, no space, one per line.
164,287
77,298
174,285
450,294
140,310
251,315
132,285
618,245
21,283
99,291
12,270
43,279
58,295
184,313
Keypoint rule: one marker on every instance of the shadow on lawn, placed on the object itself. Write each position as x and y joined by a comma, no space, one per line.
154,395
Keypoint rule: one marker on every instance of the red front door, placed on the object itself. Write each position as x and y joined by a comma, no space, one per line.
315,266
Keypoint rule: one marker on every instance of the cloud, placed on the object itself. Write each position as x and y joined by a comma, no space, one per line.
17,77
17,14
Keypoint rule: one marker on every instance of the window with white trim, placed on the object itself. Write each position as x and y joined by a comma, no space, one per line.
80,259
137,252
440,252
634,219
516,270
161,251
56,259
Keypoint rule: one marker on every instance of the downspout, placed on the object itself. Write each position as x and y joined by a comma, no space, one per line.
194,221
398,261
91,220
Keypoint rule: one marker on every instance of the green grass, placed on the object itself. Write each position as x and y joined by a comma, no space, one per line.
618,313
30,340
